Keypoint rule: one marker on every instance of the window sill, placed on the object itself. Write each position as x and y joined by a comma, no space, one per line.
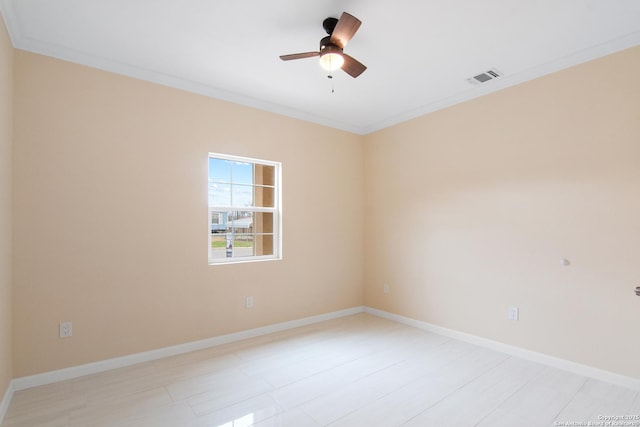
243,261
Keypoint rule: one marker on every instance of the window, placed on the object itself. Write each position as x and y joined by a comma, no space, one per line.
216,219
244,209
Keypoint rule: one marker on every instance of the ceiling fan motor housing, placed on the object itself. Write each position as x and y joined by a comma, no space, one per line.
326,46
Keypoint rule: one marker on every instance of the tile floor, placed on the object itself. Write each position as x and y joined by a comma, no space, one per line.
355,371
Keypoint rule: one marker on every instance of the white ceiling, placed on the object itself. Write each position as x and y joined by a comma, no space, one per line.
419,53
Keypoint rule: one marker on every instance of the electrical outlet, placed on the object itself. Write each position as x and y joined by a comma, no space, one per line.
385,288
66,329
514,313
249,302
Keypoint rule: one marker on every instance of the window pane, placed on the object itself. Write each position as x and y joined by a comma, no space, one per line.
218,247
219,222
242,195
265,197
242,173
265,175
219,170
263,222
240,222
219,194
264,244
243,245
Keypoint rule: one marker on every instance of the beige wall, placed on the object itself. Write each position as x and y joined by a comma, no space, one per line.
466,211
6,136
470,210
110,217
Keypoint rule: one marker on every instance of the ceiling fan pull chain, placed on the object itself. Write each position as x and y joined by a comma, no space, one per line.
333,86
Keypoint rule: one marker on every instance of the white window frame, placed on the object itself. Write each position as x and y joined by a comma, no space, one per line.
276,210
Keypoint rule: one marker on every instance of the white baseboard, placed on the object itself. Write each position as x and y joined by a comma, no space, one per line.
4,403
120,362
555,362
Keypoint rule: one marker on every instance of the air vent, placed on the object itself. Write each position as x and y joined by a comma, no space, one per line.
484,77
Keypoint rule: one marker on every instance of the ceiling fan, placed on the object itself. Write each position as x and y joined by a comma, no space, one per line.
331,55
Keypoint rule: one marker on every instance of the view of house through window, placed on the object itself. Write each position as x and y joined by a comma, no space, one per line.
243,209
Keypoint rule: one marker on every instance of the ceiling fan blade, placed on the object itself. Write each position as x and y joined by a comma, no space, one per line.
299,56
345,29
352,66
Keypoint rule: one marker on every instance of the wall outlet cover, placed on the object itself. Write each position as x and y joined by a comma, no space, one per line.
66,329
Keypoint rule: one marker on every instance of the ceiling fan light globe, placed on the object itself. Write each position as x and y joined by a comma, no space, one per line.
331,61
